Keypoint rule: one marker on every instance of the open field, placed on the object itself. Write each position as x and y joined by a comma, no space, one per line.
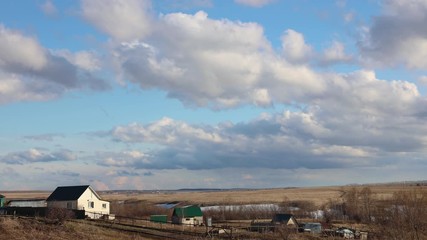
318,195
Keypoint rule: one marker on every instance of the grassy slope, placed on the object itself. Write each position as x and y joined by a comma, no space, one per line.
25,228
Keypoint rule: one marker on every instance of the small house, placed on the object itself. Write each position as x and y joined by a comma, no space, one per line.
188,215
311,227
285,218
82,198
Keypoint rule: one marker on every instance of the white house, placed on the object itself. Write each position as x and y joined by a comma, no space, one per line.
79,198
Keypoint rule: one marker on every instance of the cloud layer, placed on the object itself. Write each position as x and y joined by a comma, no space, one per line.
321,117
29,72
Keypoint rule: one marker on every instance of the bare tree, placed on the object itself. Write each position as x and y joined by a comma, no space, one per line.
405,217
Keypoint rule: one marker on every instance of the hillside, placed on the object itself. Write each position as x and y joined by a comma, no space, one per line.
30,228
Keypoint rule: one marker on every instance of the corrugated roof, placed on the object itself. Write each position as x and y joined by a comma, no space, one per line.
68,193
188,211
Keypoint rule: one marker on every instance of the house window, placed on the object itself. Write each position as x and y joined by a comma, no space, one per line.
91,204
69,205
104,205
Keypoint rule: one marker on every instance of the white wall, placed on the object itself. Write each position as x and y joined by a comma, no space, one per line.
98,209
191,221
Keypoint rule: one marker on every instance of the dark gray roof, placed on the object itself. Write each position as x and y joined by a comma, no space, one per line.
67,193
282,217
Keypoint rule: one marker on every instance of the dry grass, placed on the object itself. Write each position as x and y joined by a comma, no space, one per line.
26,228
26,194
317,195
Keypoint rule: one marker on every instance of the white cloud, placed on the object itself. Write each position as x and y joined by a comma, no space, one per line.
217,63
121,19
17,88
335,54
164,131
358,121
254,3
34,155
19,51
29,72
422,80
83,59
395,38
294,47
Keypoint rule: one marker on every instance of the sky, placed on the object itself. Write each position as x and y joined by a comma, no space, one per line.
168,94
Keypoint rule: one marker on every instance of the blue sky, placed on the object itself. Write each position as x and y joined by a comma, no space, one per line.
165,94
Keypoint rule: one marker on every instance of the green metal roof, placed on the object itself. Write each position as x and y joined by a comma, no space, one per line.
188,211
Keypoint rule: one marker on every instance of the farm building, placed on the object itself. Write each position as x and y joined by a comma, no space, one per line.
280,219
79,198
27,203
2,200
159,218
285,218
189,215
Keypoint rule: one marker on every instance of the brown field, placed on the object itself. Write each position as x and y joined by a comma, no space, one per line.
318,195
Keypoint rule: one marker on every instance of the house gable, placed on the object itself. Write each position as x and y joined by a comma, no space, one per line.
287,219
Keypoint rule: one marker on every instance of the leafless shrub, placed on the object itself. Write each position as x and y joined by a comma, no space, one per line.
405,217
240,213
59,215
299,208
285,232
136,209
358,205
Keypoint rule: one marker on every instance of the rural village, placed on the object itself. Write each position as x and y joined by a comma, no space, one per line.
354,218
213,119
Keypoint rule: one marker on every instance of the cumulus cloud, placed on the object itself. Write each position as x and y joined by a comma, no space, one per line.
20,52
29,72
335,54
359,121
254,3
395,38
34,155
121,19
215,63
294,47
83,59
